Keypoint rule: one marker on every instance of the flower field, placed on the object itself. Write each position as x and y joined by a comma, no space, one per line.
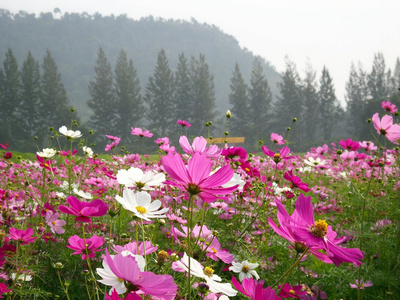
203,221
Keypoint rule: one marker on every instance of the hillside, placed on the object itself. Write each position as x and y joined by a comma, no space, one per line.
74,39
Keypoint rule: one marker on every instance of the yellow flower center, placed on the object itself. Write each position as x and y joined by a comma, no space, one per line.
120,280
213,250
141,209
291,292
319,228
208,271
245,269
54,223
277,154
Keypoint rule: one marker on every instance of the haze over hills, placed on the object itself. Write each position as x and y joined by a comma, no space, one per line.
74,39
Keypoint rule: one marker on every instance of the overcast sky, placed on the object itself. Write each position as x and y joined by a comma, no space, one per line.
321,32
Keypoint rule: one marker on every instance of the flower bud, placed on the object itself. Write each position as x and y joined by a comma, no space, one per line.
228,114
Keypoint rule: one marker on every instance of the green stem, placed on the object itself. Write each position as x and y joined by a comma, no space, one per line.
290,269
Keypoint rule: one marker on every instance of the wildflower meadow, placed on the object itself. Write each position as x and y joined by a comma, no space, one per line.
201,220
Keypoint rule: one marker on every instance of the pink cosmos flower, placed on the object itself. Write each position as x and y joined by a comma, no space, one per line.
115,141
316,234
254,290
139,132
195,178
362,284
296,181
277,157
183,123
389,107
349,144
132,248
232,152
4,146
288,291
54,223
125,269
277,139
86,247
368,146
199,145
213,249
84,210
22,236
386,127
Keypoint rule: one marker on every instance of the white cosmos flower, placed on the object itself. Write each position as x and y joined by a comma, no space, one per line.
212,280
314,162
245,269
140,204
135,177
47,153
88,151
70,133
82,194
21,277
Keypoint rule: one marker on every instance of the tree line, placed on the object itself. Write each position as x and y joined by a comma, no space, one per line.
306,110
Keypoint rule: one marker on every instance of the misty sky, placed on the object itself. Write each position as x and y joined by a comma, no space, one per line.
332,33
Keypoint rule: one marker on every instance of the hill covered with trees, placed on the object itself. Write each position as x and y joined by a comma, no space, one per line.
74,39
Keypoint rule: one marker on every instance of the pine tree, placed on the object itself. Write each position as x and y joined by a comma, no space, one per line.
10,100
310,117
29,114
356,98
203,94
54,105
160,97
377,79
102,98
260,100
330,109
290,104
239,101
129,104
182,104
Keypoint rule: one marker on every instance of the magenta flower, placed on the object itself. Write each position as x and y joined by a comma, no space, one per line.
22,236
124,272
115,141
277,139
317,234
199,145
114,296
86,247
277,157
350,145
232,152
7,155
288,291
84,210
195,178
386,127
389,107
183,123
54,223
254,290
4,146
296,181
139,132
